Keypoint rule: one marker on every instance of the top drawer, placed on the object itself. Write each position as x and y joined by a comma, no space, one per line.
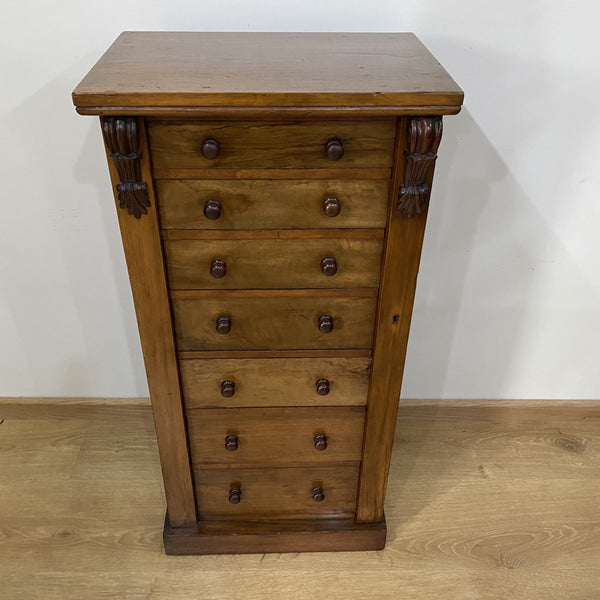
258,145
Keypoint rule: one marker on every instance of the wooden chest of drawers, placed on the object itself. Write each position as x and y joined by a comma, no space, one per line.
272,191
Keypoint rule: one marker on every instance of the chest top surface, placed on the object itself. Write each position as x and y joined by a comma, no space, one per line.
185,69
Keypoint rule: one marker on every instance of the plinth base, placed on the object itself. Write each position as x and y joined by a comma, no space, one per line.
257,537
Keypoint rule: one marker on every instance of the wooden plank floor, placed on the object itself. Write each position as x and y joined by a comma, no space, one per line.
486,501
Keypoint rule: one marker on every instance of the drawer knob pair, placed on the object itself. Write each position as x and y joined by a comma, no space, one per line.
333,147
232,442
325,323
218,267
235,495
213,208
228,388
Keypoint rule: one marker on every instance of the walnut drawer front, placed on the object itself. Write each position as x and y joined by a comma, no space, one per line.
272,320
262,437
300,145
276,493
271,204
274,263
216,383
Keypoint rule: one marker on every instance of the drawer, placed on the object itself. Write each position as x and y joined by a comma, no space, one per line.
267,145
275,436
214,383
275,263
294,493
269,204
281,321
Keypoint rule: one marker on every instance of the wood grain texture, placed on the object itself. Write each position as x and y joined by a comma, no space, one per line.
284,113
272,234
267,204
274,436
227,354
271,264
175,69
272,323
141,243
281,493
252,145
50,455
404,239
486,500
274,294
270,174
274,381
61,408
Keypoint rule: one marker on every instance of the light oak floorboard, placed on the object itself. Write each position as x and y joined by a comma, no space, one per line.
485,501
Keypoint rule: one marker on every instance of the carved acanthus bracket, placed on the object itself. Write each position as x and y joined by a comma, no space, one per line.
122,140
424,135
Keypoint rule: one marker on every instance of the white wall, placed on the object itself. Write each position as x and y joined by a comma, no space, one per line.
508,303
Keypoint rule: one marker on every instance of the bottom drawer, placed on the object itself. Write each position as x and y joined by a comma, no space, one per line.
282,493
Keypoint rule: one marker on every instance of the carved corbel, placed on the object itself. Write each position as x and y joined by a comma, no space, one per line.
424,135
122,140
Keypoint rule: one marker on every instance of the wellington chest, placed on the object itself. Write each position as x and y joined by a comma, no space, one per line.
272,191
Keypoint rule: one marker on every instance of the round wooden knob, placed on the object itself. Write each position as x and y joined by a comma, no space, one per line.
218,268
331,207
329,266
223,325
231,442
317,494
212,209
235,495
334,149
322,387
227,388
325,324
320,441
210,148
